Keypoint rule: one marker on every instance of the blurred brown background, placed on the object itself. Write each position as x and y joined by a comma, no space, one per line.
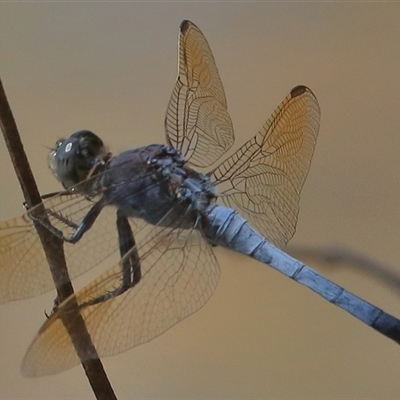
110,67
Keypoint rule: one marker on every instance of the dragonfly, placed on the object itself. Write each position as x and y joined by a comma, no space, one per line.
163,207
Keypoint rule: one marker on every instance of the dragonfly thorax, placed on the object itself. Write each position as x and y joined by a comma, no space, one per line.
153,183
187,184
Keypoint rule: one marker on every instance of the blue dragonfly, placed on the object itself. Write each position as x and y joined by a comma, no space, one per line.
171,203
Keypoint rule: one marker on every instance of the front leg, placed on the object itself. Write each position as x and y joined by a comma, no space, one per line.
79,230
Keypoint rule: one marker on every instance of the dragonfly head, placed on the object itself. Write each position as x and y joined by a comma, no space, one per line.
74,159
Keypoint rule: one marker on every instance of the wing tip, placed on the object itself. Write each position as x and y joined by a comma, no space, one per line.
298,90
185,25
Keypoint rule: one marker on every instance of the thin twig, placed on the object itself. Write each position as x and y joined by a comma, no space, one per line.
54,251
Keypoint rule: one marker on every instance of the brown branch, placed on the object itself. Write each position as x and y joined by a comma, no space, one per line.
54,251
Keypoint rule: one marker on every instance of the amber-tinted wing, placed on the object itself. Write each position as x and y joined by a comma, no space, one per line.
179,274
197,121
24,271
263,179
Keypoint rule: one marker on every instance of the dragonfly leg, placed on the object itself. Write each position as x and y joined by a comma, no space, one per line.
48,196
80,229
131,271
130,262
63,219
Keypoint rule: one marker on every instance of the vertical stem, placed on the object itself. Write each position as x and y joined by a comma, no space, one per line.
54,251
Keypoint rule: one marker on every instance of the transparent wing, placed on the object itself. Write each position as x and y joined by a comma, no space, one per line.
197,121
179,274
24,271
263,179
20,254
